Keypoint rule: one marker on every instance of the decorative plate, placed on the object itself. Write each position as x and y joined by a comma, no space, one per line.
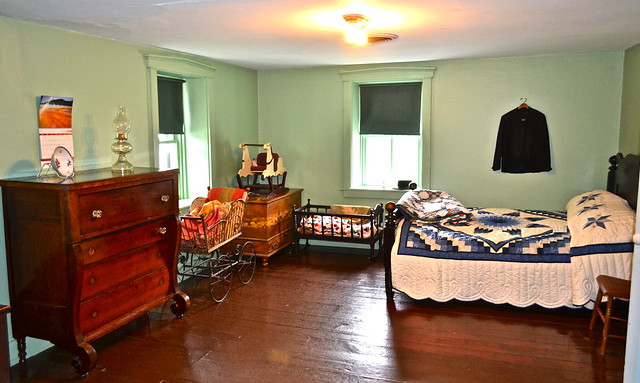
62,162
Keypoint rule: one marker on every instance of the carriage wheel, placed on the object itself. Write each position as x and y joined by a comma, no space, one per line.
219,276
246,262
182,266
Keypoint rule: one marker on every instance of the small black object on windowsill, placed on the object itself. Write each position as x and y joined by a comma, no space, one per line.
406,185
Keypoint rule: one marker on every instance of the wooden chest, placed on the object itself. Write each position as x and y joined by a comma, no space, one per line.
88,255
268,223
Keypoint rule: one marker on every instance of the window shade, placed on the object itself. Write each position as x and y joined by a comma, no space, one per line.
390,108
170,105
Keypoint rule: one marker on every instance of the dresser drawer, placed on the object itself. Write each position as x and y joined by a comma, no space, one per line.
100,248
109,209
268,247
104,276
110,306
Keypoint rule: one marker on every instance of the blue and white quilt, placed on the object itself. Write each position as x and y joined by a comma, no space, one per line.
595,222
445,251
494,234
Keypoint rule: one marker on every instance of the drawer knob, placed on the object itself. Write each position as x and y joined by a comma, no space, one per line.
164,198
94,314
97,214
162,230
92,251
92,281
161,282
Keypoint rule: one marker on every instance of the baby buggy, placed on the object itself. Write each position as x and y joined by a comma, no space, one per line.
211,226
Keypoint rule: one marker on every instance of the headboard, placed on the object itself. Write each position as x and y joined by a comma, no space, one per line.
623,177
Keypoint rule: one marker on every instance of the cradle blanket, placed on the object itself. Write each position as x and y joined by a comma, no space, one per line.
337,226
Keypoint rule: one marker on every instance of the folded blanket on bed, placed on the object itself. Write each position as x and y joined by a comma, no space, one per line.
599,218
430,205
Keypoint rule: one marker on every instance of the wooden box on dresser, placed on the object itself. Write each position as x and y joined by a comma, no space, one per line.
90,254
268,222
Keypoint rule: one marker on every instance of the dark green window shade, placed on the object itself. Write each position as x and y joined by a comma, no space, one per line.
390,108
171,108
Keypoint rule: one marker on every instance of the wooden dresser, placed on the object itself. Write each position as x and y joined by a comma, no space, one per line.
268,222
88,255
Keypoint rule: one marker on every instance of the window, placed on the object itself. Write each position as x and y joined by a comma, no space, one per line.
387,128
172,148
186,143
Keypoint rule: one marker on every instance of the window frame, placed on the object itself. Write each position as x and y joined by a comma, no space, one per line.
198,102
351,149
181,148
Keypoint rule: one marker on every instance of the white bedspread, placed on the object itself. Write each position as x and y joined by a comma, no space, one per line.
517,283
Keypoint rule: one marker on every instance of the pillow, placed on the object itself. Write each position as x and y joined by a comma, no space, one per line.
599,217
350,209
430,205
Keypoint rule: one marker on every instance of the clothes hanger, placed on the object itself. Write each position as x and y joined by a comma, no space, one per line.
524,103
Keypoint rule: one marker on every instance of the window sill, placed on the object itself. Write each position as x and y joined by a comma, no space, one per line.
379,194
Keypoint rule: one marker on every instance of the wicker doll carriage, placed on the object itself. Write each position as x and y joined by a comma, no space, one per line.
212,223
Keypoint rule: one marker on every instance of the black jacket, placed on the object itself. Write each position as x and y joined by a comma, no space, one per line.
523,142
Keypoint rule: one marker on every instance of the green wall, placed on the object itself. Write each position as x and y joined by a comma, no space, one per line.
630,115
100,74
301,114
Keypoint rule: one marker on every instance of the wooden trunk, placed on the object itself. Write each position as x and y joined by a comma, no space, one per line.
90,254
268,223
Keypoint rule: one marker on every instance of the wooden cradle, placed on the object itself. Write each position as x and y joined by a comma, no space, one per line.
339,223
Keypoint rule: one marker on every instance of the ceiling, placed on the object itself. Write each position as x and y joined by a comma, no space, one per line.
276,34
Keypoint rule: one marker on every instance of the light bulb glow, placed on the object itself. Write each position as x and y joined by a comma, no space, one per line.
357,36
356,32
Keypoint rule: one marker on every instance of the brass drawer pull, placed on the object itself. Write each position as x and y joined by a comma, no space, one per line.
97,214
161,230
92,251
164,198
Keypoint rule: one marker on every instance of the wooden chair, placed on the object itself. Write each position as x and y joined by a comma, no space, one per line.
612,288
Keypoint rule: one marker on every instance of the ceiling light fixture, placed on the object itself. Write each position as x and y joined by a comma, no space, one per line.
356,29
357,33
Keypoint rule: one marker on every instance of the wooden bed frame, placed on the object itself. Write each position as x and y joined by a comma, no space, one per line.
622,180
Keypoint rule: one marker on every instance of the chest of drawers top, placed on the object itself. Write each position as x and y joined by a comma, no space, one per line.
94,201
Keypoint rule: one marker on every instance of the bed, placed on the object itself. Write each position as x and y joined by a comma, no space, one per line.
436,248
339,223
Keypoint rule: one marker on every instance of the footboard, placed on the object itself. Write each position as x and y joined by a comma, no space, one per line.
317,222
389,240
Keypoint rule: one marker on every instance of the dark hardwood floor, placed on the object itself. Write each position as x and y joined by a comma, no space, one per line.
322,316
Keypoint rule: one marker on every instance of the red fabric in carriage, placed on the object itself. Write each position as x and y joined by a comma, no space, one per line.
226,194
210,218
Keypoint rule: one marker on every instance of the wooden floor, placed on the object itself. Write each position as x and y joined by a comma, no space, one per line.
323,317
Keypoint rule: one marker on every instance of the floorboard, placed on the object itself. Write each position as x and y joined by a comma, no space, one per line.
322,316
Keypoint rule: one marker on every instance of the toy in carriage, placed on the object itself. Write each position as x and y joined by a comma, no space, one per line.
266,165
213,222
